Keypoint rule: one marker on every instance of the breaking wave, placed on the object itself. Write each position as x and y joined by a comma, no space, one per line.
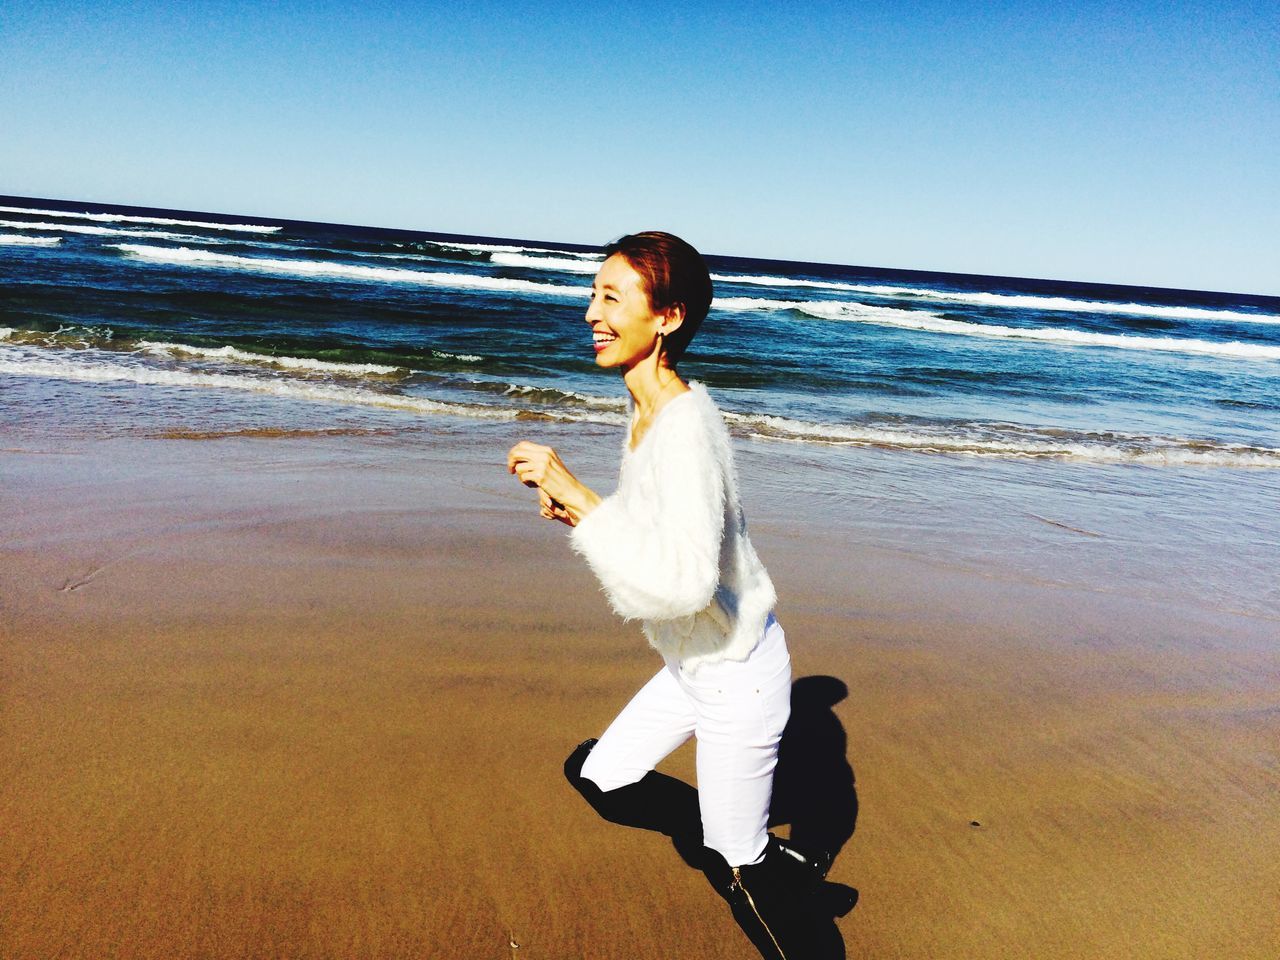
1011,301
72,368
17,240
129,218
933,323
574,265
279,362
514,400
189,256
95,231
1007,440
492,248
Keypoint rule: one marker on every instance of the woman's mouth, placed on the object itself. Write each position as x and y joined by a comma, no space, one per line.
602,340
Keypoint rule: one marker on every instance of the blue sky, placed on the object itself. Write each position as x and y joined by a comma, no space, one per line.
1131,143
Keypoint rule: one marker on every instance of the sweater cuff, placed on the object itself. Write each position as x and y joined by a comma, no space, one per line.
586,536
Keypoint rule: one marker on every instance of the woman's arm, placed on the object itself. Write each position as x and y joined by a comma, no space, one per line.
658,556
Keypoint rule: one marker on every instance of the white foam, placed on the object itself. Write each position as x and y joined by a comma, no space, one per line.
827,309
464,357
767,281
17,240
67,335
932,323
978,440
1014,301
68,368
737,304
590,400
188,256
7,332
577,265
286,363
506,248
158,221
98,370
95,231
1066,304
1011,441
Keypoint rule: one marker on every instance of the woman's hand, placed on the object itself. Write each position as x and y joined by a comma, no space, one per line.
554,509
561,495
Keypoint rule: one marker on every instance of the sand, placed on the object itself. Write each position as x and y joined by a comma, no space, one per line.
273,696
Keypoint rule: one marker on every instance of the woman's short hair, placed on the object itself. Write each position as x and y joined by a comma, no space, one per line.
673,273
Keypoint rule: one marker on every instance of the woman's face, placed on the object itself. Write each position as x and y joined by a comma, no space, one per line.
623,324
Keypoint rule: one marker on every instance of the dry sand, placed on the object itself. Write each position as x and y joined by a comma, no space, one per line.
309,697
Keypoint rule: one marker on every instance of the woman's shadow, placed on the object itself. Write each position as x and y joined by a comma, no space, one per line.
813,786
813,792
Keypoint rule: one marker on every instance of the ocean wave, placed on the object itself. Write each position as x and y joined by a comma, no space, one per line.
463,357
988,440
828,310
576,265
66,336
82,337
505,248
283,363
554,395
1012,441
128,218
17,240
95,231
1011,301
189,256
97,371
738,304
932,323
102,367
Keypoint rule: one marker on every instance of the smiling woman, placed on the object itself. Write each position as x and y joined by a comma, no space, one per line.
670,548
654,272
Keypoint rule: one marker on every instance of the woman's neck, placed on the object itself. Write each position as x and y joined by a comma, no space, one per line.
651,383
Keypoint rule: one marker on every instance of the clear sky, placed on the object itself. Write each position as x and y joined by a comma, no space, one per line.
1131,143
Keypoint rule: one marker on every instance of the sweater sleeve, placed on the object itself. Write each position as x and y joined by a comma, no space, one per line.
658,557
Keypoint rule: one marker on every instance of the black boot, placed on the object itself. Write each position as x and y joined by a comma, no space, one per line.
784,905
816,863
769,901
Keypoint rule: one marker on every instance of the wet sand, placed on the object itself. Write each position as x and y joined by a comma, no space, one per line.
308,696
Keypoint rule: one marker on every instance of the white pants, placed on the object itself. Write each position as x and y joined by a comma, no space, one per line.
737,710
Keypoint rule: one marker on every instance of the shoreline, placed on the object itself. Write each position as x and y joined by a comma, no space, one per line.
310,697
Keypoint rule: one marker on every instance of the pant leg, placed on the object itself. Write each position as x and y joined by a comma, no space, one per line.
742,708
657,720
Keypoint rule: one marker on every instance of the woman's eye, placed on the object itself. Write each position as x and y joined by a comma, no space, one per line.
611,298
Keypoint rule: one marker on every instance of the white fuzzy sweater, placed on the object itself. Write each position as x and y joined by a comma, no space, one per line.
670,545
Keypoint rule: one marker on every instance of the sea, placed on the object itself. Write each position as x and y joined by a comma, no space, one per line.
1099,436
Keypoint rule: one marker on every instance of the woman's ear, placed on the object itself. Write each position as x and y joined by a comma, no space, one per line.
672,318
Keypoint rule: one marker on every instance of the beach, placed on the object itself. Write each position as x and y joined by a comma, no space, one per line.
985,297
289,665
296,691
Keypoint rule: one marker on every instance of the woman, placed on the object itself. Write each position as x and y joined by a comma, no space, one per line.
670,548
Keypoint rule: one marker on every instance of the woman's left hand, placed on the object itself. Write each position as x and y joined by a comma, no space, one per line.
563,497
554,509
